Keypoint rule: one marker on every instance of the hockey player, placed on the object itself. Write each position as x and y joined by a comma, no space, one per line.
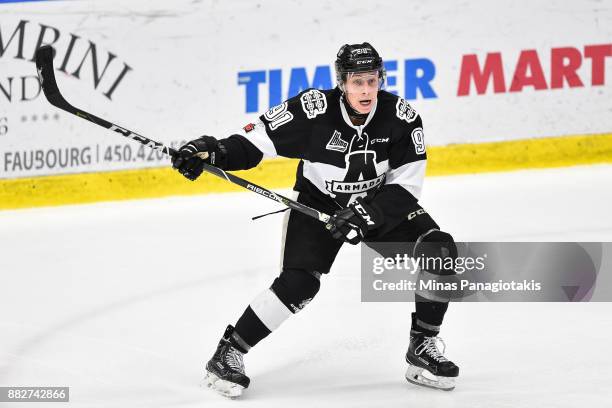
362,159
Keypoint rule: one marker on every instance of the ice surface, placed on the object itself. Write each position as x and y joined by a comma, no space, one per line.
124,302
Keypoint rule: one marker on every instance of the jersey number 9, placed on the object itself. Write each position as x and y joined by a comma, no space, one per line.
419,141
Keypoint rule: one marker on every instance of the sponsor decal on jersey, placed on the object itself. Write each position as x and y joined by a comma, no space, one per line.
404,111
249,127
336,143
413,214
385,140
313,103
353,187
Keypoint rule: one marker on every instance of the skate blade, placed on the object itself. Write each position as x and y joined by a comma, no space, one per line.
415,375
225,388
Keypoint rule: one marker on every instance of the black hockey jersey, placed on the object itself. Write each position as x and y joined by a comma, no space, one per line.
383,160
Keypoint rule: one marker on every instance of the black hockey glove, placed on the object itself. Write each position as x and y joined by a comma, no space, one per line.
351,224
206,149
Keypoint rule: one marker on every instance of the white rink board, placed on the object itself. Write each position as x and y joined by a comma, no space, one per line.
187,58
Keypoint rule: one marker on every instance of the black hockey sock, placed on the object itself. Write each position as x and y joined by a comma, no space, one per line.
250,329
428,317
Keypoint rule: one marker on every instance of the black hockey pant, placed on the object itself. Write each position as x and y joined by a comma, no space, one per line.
308,252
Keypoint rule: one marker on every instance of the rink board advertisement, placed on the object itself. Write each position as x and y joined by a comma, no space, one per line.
173,73
488,272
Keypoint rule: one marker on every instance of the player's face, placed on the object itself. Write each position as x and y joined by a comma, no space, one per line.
361,90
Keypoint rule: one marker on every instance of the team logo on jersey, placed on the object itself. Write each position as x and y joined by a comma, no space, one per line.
313,103
355,187
404,111
361,175
336,143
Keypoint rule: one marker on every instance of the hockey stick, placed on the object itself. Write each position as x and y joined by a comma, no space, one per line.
46,75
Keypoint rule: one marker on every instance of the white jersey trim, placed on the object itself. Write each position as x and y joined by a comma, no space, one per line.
270,310
259,137
410,176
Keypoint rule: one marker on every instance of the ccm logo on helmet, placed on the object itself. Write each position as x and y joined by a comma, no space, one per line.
364,62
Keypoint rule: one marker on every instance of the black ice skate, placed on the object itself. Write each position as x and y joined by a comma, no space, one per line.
225,370
427,366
